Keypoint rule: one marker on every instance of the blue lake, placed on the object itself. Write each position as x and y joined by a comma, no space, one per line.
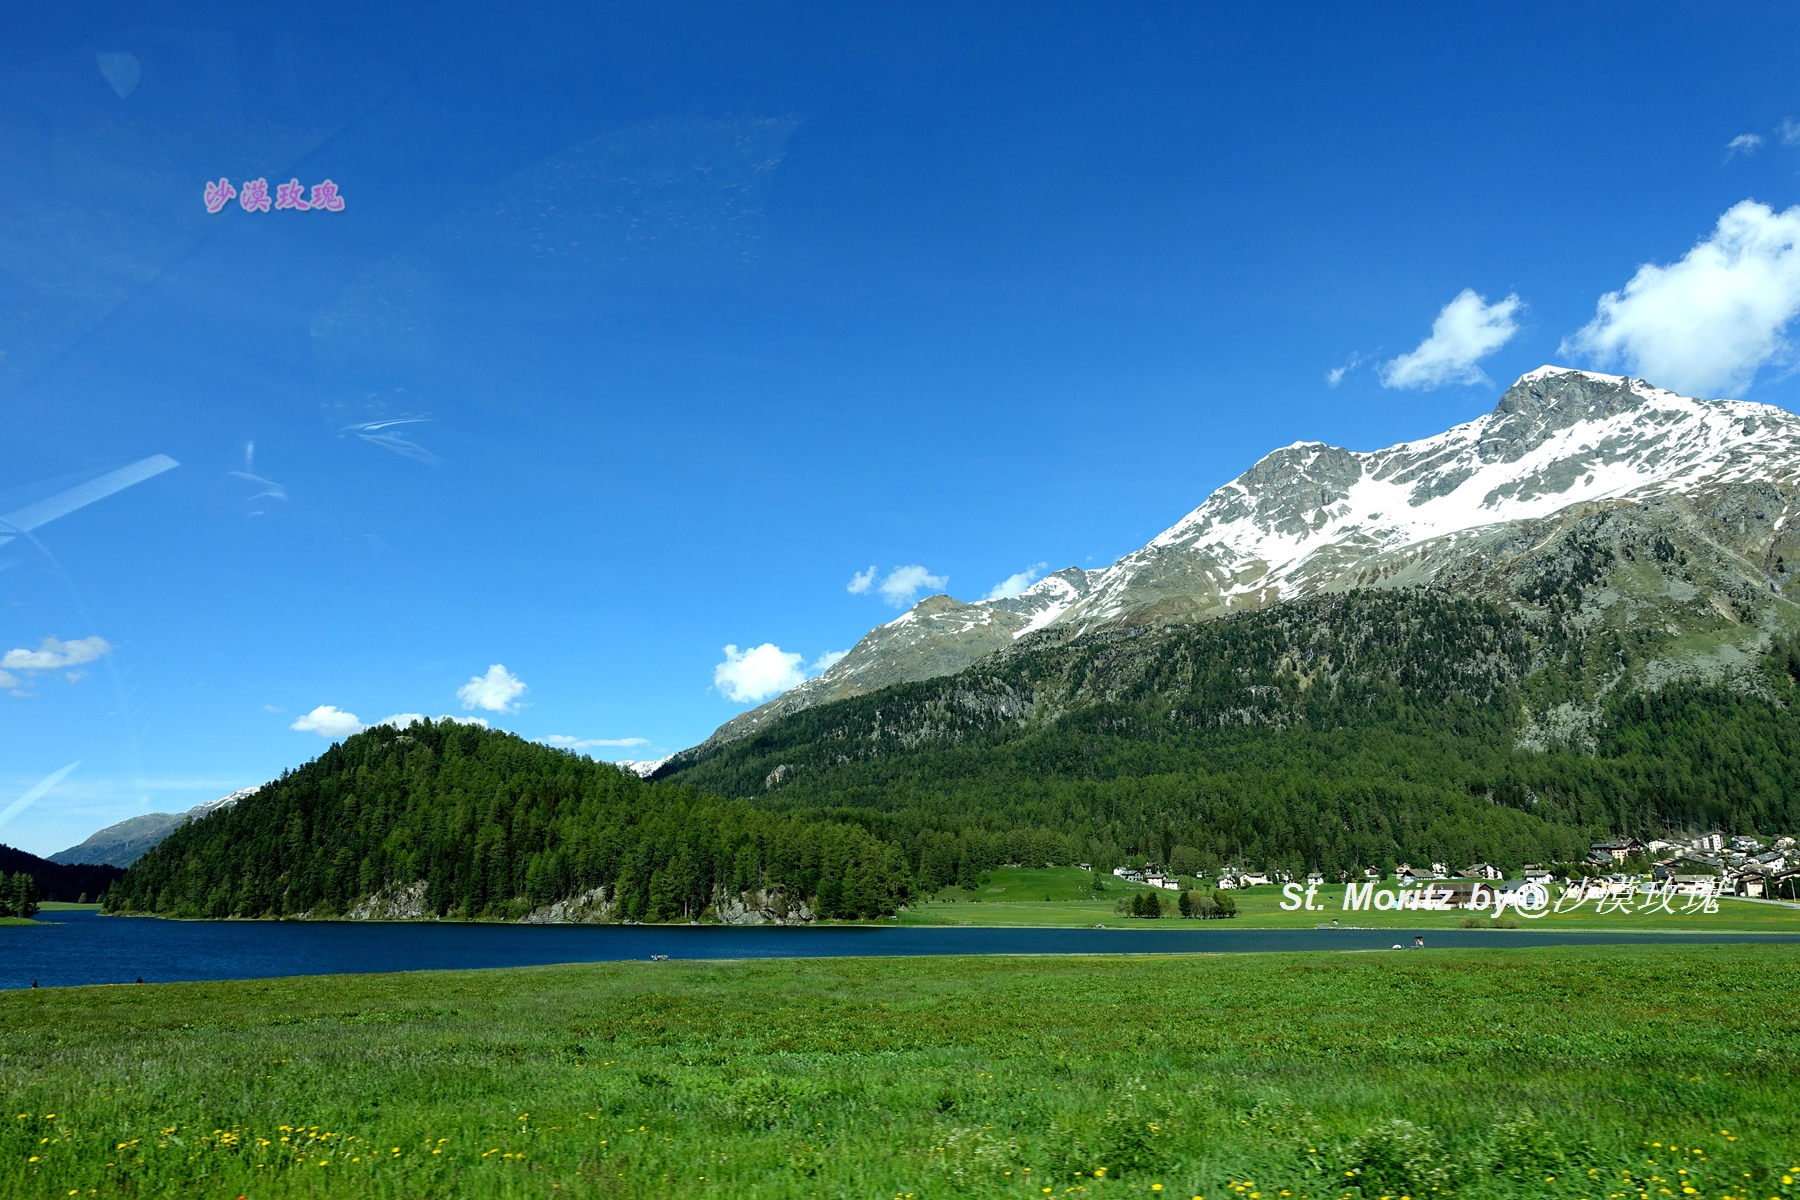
71,948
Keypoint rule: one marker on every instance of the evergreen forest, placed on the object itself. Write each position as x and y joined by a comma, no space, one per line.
1346,732
73,883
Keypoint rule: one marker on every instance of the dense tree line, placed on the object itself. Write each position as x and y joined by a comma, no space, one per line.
75,883
495,826
18,895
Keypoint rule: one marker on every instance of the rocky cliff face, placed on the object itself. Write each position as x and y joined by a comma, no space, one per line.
1631,500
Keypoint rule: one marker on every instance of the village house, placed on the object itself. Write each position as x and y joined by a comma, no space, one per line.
1617,850
1482,870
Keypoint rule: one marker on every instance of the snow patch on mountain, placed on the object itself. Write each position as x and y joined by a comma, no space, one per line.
1558,438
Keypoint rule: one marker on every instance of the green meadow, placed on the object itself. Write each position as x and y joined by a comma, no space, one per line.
1602,1073
1065,896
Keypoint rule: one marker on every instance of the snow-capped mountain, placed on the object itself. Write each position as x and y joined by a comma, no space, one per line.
1309,514
1470,507
644,767
123,844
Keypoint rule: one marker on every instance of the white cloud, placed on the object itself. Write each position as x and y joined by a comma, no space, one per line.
861,581
1789,129
564,742
1014,585
399,720
1743,143
8,681
903,583
328,721
826,661
752,676
494,691
1465,332
1707,323
1336,375
52,655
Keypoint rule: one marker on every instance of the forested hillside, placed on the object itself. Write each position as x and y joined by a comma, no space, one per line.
1345,731
71,883
495,826
1332,734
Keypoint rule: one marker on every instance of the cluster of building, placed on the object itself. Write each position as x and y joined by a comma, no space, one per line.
1742,866
1745,865
1155,876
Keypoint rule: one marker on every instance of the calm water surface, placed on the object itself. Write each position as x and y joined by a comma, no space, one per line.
70,948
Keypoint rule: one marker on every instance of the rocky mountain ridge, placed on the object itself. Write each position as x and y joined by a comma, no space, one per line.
122,844
1488,507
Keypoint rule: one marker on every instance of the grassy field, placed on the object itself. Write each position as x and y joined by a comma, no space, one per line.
1064,896
50,906
1602,1073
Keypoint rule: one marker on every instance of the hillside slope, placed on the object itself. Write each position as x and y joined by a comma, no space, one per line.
453,820
67,883
1337,732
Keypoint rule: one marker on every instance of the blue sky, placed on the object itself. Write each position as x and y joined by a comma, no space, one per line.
642,331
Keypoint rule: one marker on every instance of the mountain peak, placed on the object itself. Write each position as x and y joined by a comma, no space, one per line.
1551,399
1312,517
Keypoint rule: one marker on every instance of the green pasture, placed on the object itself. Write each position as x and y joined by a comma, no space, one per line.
50,906
1017,896
1594,1073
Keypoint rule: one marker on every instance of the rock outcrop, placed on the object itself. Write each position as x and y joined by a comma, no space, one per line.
761,906
588,907
392,904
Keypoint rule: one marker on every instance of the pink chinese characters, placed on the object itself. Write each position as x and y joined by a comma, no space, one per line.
287,195
218,194
325,196
292,194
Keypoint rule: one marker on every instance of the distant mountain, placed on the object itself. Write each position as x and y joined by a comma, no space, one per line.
123,844
644,767
1494,508
66,883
